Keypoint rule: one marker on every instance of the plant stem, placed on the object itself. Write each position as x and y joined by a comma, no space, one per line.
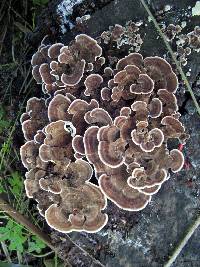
183,242
183,76
5,250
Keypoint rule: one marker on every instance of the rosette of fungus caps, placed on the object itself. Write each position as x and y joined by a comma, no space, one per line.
110,121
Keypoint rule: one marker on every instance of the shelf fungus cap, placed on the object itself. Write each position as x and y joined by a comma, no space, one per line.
161,72
29,154
144,85
173,127
31,182
78,144
140,107
176,160
155,108
141,180
132,59
168,100
57,144
155,139
54,50
99,116
88,47
116,189
79,172
112,153
35,117
79,210
76,75
92,83
57,109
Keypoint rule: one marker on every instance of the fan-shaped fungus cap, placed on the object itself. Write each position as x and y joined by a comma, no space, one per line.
155,108
112,153
35,117
75,77
57,109
88,47
141,180
54,50
115,188
78,145
132,59
173,127
99,116
168,100
57,146
161,72
91,148
92,83
176,160
140,107
29,154
80,210
105,94
32,181
144,85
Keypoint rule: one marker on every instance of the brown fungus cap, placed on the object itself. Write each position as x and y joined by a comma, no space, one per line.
132,59
102,114
35,117
169,102
144,85
176,160
57,109
75,77
57,144
140,179
92,83
79,209
161,72
98,116
88,47
117,190
155,108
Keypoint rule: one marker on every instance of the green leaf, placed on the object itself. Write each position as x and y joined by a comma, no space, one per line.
4,124
16,183
36,244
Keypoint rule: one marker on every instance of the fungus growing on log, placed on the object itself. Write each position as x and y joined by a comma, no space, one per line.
113,120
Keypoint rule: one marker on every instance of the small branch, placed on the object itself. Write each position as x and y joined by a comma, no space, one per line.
5,207
184,78
183,242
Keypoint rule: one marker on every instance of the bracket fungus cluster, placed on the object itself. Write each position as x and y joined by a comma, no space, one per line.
110,120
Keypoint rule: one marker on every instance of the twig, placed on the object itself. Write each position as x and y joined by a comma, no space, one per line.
187,84
41,255
183,242
18,217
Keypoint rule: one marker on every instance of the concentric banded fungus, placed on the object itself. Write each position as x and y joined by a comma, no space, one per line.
118,118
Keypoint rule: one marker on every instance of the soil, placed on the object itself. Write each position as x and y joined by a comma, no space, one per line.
148,237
